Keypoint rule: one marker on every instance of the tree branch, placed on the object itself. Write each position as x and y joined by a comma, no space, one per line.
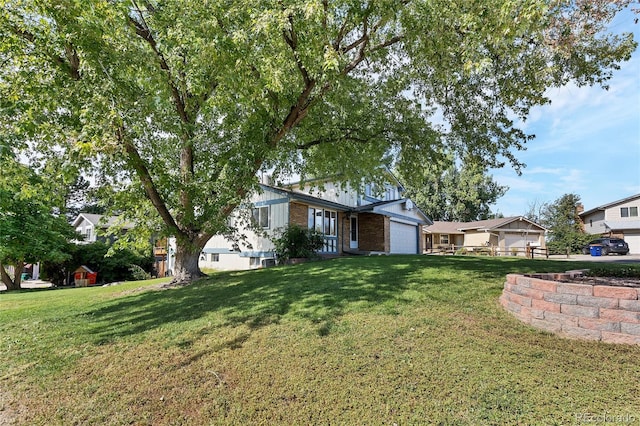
70,63
142,30
142,171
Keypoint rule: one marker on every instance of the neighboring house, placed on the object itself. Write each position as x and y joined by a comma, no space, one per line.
89,225
617,219
350,222
505,235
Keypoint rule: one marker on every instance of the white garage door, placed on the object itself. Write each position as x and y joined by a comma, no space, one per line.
404,238
514,241
633,239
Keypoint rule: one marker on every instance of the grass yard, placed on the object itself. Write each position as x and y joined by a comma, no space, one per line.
375,340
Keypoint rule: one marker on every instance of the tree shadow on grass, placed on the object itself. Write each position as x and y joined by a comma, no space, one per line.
318,292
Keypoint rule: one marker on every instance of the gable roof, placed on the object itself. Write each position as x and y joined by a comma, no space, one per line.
441,227
376,207
299,196
101,221
609,205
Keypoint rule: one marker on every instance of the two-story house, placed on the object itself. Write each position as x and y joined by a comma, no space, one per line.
351,222
90,226
617,219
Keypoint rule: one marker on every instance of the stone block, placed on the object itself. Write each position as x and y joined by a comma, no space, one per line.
620,315
633,329
620,338
615,292
569,288
580,311
568,299
582,333
630,305
599,324
561,318
599,302
545,306
546,286
520,300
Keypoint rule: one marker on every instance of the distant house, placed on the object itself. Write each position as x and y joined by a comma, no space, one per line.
89,225
504,236
616,219
350,222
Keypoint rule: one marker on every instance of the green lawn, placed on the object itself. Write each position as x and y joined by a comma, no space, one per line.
375,340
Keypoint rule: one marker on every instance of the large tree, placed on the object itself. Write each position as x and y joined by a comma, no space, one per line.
186,100
31,228
562,219
454,191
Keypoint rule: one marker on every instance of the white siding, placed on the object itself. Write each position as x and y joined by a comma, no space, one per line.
331,192
613,212
594,223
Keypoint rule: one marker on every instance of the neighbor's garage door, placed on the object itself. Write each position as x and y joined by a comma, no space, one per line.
514,241
404,238
633,239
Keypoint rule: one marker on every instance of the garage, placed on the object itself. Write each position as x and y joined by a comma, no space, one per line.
518,241
633,240
404,238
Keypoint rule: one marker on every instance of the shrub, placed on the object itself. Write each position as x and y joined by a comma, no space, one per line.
137,273
297,242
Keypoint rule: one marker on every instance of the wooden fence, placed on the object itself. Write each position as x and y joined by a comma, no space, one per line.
530,252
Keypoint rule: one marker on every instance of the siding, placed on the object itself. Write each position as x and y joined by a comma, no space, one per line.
613,213
594,223
332,192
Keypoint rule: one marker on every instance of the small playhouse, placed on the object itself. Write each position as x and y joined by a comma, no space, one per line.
83,277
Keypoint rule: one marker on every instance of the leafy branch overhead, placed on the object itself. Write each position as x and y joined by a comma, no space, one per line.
181,103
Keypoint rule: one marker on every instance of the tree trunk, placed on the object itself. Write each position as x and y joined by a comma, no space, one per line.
15,283
186,268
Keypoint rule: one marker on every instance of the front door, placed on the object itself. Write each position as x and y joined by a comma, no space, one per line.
353,234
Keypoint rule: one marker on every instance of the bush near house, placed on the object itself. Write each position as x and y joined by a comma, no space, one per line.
297,242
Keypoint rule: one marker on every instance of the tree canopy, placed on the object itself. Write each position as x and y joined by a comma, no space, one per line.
185,101
30,231
458,192
562,219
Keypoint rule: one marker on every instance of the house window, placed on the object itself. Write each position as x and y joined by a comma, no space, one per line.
215,257
254,261
633,211
261,216
624,211
87,234
325,222
444,238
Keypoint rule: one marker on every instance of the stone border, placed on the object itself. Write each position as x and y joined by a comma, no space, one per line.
597,312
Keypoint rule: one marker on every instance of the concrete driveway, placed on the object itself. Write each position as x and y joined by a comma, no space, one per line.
612,258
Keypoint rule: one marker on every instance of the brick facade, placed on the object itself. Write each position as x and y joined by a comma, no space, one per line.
374,232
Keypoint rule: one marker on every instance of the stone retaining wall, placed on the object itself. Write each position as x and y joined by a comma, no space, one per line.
597,312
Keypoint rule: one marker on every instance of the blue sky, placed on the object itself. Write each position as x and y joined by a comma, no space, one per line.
587,142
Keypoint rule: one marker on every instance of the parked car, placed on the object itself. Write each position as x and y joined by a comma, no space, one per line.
609,245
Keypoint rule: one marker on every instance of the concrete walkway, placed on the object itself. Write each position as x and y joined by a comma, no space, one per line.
30,284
